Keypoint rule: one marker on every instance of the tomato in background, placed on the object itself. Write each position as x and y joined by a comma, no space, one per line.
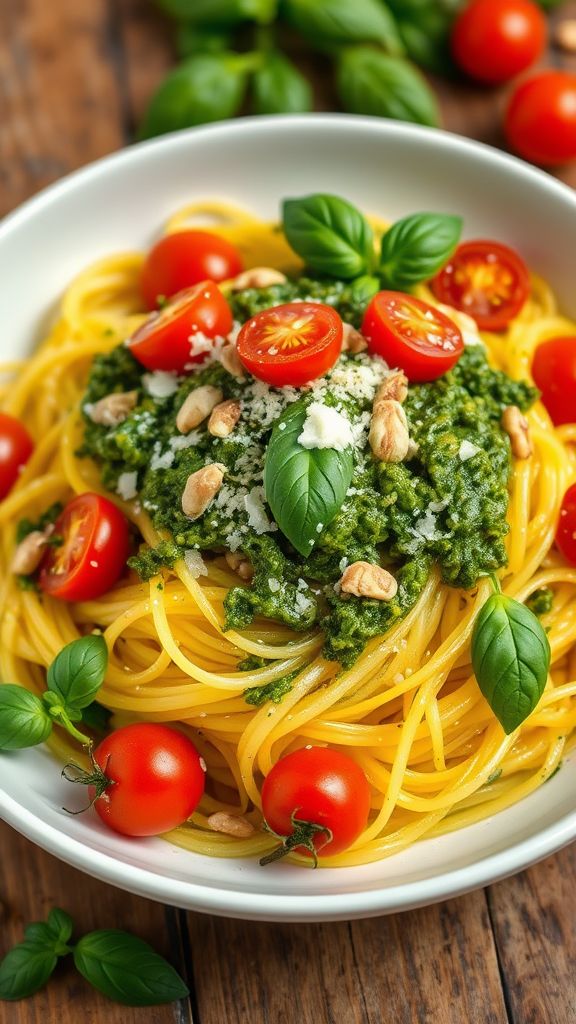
16,447
165,341
412,335
291,344
92,556
186,258
540,121
486,280
554,372
566,532
494,40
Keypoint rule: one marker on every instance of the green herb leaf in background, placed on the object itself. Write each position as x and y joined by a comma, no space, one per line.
305,488
329,234
127,970
416,247
218,13
25,970
363,289
426,37
60,924
278,87
191,39
24,721
511,659
344,21
78,671
371,82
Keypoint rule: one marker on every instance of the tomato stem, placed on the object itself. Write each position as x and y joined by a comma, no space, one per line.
303,835
73,772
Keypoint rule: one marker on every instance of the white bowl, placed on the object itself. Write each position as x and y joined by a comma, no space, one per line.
120,203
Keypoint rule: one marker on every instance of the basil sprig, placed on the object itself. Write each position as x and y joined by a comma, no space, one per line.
511,659
344,21
329,234
372,82
416,247
305,488
278,87
120,965
73,680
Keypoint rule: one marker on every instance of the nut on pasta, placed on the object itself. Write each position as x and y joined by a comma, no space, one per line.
363,579
257,277
230,824
389,437
113,409
197,406
240,564
201,487
224,418
352,340
517,427
29,553
231,361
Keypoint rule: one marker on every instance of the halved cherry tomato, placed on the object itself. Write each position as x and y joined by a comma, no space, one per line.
165,341
554,372
318,798
412,335
566,532
155,779
541,118
487,280
92,556
291,344
183,259
16,447
494,40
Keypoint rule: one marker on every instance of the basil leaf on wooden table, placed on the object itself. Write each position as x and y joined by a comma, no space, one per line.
305,487
510,658
78,671
416,247
25,970
220,12
126,969
329,234
371,82
278,87
344,21
24,721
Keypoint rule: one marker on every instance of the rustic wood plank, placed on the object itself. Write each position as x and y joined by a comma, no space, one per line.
33,883
148,47
535,929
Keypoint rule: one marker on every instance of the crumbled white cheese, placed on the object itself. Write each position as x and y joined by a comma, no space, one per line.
343,564
202,345
160,383
161,460
325,427
232,336
257,518
195,563
274,585
127,485
181,441
468,451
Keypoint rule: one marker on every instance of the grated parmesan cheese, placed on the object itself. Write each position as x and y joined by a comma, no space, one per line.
127,486
160,383
468,451
325,427
257,518
195,563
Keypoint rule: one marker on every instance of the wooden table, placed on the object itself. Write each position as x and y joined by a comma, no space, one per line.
74,78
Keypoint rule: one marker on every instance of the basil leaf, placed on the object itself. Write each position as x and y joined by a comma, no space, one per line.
127,970
25,969
416,247
329,234
344,21
305,488
24,721
191,39
511,658
216,13
278,87
363,289
60,924
52,934
78,671
206,87
427,38
370,82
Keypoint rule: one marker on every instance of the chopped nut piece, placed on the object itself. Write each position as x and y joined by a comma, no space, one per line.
352,341
366,580
565,35
231,825
394,388
113,409
201,487
231,361
258,277
389,437
197,406
240,564
28,554
518,430
224,418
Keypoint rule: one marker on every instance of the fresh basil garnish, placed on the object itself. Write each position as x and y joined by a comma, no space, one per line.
278,87
333,22
304,487
126,969
511,659
26,969
24,721
416,247
78,671
220,13
372,82
329,234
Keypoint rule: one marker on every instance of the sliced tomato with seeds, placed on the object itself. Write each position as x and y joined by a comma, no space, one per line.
487,280
95,544
166,340
291,344
412,335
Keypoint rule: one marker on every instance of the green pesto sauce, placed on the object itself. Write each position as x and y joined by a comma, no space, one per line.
441,507
541,601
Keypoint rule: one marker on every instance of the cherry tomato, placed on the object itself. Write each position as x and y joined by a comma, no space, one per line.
554,372
183,259
487,280
540,121
153,779
93,553
412,335
325,791
494,40
16,447
566,533
291,344
166,341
